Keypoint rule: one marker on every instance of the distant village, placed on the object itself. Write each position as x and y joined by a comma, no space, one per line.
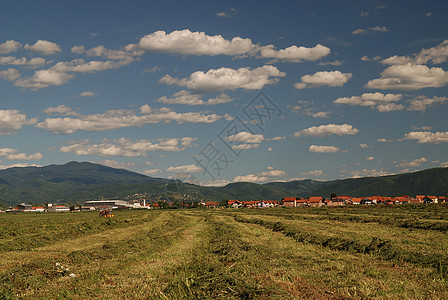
99,205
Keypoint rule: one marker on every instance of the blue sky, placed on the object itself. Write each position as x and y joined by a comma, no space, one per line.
218,92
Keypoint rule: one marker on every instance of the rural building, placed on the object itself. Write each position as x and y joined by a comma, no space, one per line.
114,204
58,208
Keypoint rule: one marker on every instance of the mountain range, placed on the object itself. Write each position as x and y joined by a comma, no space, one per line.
80,181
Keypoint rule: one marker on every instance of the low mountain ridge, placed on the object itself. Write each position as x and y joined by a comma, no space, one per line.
80,181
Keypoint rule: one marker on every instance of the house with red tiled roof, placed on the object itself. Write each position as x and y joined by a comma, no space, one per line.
211,204
235,203
420,198
315,201
355,200
294,202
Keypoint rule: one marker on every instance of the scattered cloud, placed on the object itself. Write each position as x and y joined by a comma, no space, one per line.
411,164
60,110
33,62
62,72
365,146
116,164
186,97
326,130
272,173
379,101
223,15
383,140
13,120
331,63
114,119
10,74
370,173
185,42
87,94
276,138
294,53
313,173
20,165
128,148
250,178
152,70
228,79
13,154
409,77
9,46
370,29
426,137
436,55
421,128
151,172
421,103
101,51
245,137
306,109
185,169
318,79
44,47
323,149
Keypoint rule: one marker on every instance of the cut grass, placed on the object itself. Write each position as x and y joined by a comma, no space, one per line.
223,254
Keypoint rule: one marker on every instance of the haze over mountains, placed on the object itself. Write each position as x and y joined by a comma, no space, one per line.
81,181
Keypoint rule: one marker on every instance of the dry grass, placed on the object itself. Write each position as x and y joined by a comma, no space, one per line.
211,254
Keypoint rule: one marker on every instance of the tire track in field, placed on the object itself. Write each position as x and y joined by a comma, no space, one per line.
280,271
90,241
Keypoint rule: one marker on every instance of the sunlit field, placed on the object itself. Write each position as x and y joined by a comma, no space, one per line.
318,253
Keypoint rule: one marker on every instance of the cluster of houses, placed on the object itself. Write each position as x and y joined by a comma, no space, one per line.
334,201
24,207
347,200
285,202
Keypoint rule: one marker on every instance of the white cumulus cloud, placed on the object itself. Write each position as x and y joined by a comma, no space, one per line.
114,119
421,103
313,173
185,169
128,148
409,77
10,74
186,42
294,53
44,47
228,79
13,154
323,149
413,163
326,130
436,55
186,97
426,137
13,120
9,46
250,178
318,79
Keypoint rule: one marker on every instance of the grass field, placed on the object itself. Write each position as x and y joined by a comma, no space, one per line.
339,253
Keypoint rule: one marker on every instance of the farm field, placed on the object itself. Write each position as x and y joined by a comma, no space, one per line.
372,252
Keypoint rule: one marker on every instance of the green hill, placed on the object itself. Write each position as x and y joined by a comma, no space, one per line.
81,181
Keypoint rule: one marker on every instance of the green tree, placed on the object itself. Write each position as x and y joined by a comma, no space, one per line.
224,202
